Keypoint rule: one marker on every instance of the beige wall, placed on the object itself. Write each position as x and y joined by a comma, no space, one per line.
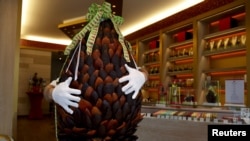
32,61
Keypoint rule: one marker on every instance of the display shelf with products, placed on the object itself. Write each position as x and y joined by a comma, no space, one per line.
186,123
150,59
216,115
222,40
178,67
232,117
211,47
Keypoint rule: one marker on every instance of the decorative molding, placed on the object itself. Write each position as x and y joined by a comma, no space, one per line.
41,45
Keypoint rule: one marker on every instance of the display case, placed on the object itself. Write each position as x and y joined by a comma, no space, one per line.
224,115
178,64
222,49
185,123
149,48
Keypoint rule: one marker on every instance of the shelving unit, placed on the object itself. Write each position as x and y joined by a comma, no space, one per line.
178,59
211,47
151,59
222,41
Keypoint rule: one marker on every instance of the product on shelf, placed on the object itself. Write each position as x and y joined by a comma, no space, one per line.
211,95
234,41
226,43
227,22
243,39
184,35
153,44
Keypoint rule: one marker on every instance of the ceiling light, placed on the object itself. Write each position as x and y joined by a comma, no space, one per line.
125,29
160,15
48,40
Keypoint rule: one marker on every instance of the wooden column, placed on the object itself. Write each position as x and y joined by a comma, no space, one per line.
248,51
10,19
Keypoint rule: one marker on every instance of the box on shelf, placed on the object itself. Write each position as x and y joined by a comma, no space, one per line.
227,23
182,36
154,44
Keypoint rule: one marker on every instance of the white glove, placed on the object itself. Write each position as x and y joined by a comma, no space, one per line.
135,79
62,95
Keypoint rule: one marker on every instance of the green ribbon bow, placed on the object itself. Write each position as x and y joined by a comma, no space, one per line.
96,13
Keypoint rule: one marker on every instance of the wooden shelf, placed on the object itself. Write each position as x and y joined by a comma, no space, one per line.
230,11
224,51
151,63
184,72
241,70
183,57
181,43
225,32
151,51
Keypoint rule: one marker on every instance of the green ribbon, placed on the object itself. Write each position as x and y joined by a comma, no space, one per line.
97,13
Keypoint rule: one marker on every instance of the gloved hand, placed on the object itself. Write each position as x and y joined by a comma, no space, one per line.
62,95
135,79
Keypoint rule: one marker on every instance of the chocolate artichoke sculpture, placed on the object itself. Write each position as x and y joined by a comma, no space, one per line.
211,96
96,59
